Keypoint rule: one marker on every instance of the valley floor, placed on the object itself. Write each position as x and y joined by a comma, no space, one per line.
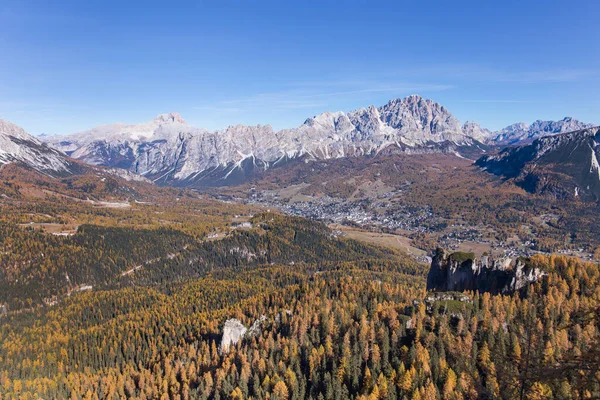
114,302
433,200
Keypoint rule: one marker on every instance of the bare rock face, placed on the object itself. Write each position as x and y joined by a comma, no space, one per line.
563,166
474,130
521,133
233,332
255,329
524,276
16,145
169,151
459,272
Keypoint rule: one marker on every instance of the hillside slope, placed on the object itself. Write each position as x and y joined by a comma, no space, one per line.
16,145
560,166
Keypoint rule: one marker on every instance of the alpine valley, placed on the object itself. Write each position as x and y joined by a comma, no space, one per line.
444,247
408,168
384,253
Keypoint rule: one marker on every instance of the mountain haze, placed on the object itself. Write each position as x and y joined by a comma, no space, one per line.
521,133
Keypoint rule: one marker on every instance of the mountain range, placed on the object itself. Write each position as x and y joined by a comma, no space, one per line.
562,166
18,146
522,133
21,149
170,151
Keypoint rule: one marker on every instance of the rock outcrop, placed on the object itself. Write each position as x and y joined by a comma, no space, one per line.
255,329
233,332
459,272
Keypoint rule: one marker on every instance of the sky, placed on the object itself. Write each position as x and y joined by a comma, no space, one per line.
67,66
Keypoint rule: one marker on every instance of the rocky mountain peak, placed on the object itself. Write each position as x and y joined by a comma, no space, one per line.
524,133
415,114
10,129
412,103
564,165
474,130
168,149
324,119
170,117
16,145
412,99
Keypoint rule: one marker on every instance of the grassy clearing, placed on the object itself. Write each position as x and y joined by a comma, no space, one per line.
397,242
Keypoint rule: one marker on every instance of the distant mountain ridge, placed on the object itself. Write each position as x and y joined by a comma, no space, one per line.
522,133
562,166
22,151
16,145
169,151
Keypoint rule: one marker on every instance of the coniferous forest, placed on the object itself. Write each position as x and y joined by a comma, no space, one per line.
299,200
132,306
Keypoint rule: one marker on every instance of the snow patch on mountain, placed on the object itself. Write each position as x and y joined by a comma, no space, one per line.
167,148
595,166
16,145
520,133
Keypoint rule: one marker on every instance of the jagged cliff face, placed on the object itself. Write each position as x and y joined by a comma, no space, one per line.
474,130
16,145
168,150
522,133
459,272
560,166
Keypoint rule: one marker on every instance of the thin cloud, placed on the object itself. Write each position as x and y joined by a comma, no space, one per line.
568,75
330,83
35,106
217,108
405,89
508,101
485,74
308,96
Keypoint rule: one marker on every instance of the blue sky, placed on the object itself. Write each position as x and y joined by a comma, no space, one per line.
67,66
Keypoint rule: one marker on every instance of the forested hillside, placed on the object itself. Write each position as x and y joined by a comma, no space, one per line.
382,249
125,298
350,331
